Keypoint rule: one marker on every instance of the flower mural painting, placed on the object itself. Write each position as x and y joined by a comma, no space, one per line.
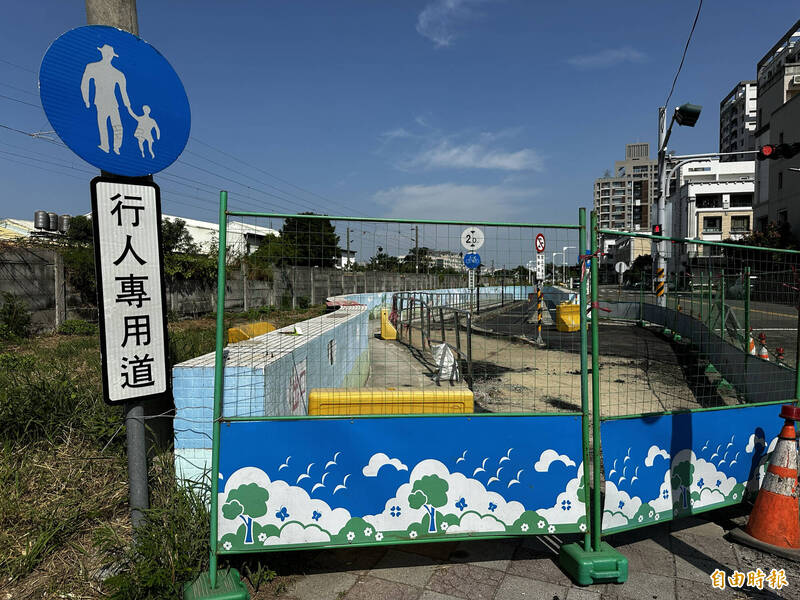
429,492
246,502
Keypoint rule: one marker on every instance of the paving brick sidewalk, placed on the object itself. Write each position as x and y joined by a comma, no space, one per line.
668,562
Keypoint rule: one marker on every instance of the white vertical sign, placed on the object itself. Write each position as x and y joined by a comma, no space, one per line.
127,232
540,266
472,279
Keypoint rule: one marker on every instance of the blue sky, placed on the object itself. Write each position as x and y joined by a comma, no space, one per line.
499,109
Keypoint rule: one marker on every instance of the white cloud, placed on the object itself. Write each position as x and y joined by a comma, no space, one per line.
446,200
396,134
459,486
567,509
550,456
438,19
607,58
620,507
295,533
379,460
663,501
446,155
753,442
652,453
301,506
772,445
473,523
720,484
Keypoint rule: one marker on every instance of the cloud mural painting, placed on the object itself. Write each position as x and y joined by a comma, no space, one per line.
706,466
399,490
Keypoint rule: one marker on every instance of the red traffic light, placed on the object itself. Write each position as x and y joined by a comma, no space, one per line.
767,151
657,230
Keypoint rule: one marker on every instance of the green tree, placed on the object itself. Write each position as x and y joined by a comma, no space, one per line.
80,230
682,477
383,261
417,256
430,492
176,238
273,250
246,502
310,242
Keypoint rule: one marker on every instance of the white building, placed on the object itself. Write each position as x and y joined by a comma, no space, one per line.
737,120
777,184
346,261
713,201
445,259
242,238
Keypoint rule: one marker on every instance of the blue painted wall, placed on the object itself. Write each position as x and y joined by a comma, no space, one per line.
264,390
340,482
671,466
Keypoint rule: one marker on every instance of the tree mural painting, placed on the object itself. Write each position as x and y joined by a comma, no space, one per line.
682,476
430,492
247,502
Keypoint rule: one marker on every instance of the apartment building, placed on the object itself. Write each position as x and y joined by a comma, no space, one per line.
777,187
713,201
622,200
737,121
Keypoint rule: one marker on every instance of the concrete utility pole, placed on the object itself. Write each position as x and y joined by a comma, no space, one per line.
116,13
122,14
347,257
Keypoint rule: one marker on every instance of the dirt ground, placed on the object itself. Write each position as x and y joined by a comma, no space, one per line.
640,370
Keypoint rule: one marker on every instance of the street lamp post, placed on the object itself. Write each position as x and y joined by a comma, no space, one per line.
684,115
564,261
554,265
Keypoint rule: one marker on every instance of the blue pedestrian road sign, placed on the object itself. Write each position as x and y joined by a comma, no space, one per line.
472,260
114,100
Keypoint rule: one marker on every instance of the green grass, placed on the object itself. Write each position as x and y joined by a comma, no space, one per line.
64,517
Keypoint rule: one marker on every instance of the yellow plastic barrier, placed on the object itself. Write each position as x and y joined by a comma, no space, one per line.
388,332
389,401
568,317
251,330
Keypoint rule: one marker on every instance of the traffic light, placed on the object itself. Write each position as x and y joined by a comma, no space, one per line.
778,151
657,230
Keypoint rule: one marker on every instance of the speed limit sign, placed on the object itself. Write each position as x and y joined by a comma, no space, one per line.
539,242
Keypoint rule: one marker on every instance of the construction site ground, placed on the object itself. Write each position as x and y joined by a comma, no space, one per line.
641,371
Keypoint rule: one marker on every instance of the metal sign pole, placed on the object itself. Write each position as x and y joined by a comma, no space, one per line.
219,366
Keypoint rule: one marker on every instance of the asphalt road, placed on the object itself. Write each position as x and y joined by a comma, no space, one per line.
778,322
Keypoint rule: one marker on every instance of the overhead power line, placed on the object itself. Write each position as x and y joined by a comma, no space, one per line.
683,57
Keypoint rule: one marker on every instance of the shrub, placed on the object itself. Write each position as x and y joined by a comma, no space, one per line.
172,542
45,394
15,319
77,327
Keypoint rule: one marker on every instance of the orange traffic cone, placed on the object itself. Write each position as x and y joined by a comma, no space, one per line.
762,351
774,524
752,343
780,356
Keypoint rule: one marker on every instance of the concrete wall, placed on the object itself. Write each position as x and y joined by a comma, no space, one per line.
756,379
272,374
30,274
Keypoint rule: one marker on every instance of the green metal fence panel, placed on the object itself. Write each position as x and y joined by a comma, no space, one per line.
718,346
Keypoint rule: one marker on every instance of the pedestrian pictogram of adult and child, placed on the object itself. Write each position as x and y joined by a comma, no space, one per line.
107,79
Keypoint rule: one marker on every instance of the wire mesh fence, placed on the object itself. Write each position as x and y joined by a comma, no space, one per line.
721,331
409,329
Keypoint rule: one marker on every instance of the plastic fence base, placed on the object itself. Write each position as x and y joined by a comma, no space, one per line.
586,568
229,587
